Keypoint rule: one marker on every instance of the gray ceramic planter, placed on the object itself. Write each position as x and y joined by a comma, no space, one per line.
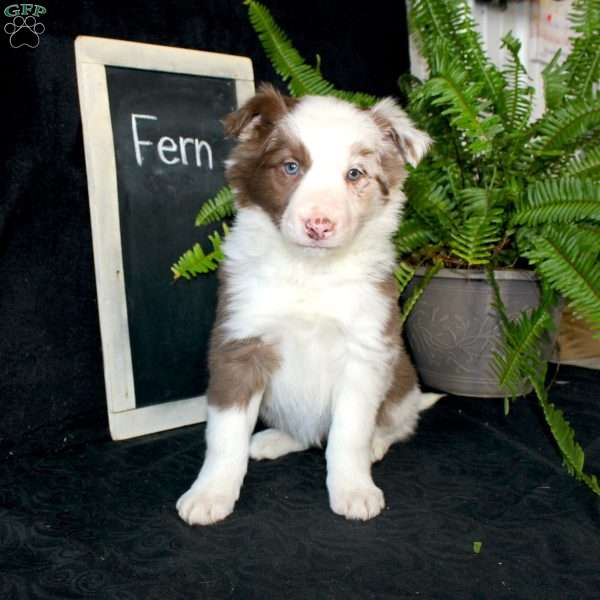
453,329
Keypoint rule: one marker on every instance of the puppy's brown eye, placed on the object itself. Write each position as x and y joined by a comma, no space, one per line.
353,174
291,167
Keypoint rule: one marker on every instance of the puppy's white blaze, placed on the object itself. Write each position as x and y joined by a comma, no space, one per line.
328,127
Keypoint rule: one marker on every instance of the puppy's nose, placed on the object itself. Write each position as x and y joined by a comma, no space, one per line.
319,228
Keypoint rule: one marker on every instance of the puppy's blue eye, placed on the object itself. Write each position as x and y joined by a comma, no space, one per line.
353,174
291,167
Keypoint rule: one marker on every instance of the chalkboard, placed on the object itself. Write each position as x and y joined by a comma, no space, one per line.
154,152
169,147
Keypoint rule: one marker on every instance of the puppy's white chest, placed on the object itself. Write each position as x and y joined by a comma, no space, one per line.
299,397
317,320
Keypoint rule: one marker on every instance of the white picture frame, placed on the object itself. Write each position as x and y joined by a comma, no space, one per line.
93,55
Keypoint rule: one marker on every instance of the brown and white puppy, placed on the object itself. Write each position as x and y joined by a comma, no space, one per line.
307,332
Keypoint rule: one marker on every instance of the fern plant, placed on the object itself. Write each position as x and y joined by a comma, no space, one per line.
195,261
497,190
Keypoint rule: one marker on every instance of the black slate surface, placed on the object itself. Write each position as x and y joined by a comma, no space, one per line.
169,325
97,520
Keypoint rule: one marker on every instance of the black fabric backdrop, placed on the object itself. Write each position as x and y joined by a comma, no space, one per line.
98,520
51,381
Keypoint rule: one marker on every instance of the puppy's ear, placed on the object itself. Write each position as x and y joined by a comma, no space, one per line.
399,130
259,114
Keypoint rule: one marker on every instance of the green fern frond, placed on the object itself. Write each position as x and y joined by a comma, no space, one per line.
477,237
478,201
418,289
287,62
459,98
482,226
477,60
563,127
450,23
358,98
554,77
564,436
318,64
431,202
570,268
412,235
518,93
575,77
196,261
301,78
582,66
518,355
404,274
218,208
587,234
564,200
585,17
407,83
583,164
562,432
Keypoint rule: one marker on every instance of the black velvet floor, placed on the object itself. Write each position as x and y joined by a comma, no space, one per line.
98,520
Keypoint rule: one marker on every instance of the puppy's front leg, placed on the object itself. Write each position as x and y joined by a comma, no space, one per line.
239,373
352,492
217,488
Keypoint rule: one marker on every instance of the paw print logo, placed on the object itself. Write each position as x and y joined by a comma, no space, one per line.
24,31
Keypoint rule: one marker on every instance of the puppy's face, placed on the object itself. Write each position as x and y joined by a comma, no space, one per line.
319,167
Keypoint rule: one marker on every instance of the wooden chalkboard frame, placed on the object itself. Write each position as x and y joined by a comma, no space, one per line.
93,55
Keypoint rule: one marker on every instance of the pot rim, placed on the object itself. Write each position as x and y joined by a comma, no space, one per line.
499,274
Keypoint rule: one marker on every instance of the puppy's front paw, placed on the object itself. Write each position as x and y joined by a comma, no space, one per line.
200,506
356,501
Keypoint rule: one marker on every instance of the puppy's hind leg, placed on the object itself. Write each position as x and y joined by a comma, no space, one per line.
272,443
397,420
